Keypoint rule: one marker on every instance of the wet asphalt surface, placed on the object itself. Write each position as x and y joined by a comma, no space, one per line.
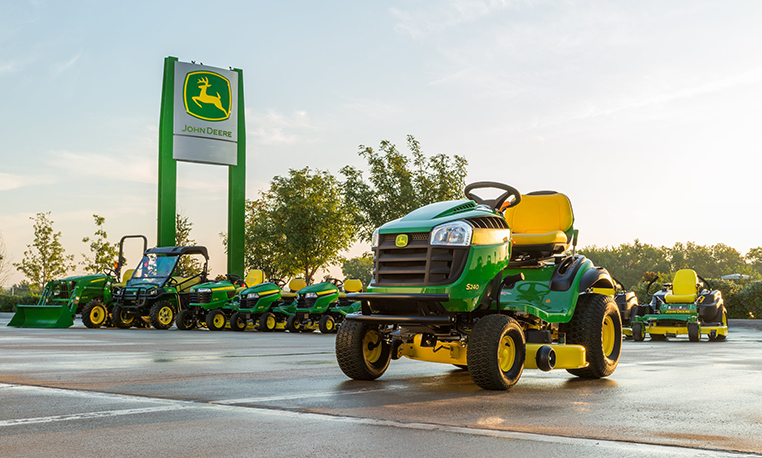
110,392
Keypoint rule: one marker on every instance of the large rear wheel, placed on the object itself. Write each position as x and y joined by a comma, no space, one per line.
597,327
496,352
361,351
162,315
94,314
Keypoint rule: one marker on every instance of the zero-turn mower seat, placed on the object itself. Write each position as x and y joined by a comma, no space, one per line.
353,285
541,224
127,275
254,277
294,285
684,288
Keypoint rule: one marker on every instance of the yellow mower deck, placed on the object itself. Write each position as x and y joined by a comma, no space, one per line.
683,330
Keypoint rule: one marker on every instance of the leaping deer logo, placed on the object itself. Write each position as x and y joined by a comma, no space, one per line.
203,97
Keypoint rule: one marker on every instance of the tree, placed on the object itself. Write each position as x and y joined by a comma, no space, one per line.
310,222
103,253
754,259
5,269
394,188
629,262
359,267
189,265
264,246
45,258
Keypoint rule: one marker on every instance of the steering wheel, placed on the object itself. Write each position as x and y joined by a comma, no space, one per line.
496,203
336,282
280,283
234,279
110,272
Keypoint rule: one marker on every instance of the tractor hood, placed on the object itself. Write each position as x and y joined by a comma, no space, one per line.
214,285
319,288
263,289
429,216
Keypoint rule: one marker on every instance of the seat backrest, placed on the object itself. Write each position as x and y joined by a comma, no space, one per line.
353,285
184,283
541,212
254,277
127,275
684,283
296,284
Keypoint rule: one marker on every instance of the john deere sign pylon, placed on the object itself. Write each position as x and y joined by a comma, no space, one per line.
202,120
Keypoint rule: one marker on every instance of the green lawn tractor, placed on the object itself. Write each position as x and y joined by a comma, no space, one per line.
684,309
319,306
458,282
262,305
210,302
62,299
153,292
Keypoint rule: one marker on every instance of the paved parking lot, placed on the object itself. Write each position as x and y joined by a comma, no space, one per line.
85,392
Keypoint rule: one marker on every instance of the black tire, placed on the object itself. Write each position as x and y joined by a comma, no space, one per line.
724,322
238,322
293,325
268,322
596,325
638,334
162,315
215,320
94,314
693,332
327,325
120,318
496,352
361,352
186,320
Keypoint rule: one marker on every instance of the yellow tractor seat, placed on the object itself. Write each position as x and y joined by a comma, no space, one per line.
542,224
184,283
294,285
254,277
353,285
127,275
684,288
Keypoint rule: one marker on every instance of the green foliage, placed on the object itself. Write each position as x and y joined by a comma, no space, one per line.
359,267
264,246
8,303
629,262
311,224
747,303
188,265
395,188
104,254
45,258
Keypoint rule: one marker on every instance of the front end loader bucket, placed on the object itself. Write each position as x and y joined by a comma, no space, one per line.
42,316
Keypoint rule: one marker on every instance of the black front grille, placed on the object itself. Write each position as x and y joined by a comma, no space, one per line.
248,303
417,263
200,298
305,303
488,222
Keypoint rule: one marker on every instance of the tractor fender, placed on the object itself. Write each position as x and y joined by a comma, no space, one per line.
566,272
597,277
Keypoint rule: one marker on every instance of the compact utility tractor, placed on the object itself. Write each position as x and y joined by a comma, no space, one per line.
210,303
320,305
153,291
62,299
683,309
261,304
487,285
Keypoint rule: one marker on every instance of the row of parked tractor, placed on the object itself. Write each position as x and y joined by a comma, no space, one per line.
153,295
493,285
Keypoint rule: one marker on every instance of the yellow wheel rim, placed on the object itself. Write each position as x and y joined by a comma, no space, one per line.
165,315
270,322
329,325
608,335
506,353
97,315
724,319
127,319
219,320
373,354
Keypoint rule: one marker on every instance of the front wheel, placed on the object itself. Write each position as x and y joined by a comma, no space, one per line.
327,324
496,352
638,333
121,319
215,320
293,325
724,322
596,325
186,320
693,332
267,322
238,322
162,315
361,351
94,314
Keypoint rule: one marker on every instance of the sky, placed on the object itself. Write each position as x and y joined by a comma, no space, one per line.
646,114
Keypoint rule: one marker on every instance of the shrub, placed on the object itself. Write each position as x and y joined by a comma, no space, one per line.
9,303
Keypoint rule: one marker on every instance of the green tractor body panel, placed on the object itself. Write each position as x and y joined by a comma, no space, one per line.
259,299
315,299
212,295
60,300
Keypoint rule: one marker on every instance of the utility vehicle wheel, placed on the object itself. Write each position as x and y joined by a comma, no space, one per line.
496,352
361,351
215,320
267,322
724,322
597,327
120,318
238,322
638,333
693,332
94,314
162,315
186,320
327,324
293,325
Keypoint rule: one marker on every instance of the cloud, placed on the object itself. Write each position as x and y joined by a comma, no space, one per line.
275,128
62,67
125,167
420,23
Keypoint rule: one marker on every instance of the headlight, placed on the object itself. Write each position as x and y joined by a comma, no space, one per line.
374,239
153,292
310,295
204,290
454,233
252,296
